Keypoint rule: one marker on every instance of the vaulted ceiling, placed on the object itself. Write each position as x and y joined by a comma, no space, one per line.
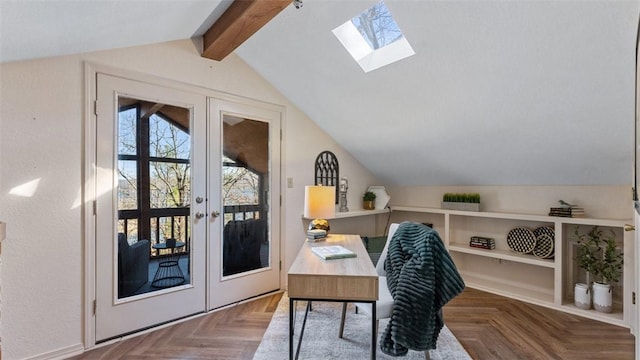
498,92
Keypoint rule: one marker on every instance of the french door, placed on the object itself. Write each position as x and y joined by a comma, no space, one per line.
150,168
244,248
183,216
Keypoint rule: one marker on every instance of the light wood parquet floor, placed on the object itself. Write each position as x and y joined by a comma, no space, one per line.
495,327
488,326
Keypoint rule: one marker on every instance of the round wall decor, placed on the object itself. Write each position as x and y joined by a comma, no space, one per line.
544,230
521,239
544,247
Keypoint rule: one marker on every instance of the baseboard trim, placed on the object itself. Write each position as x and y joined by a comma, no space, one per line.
62,353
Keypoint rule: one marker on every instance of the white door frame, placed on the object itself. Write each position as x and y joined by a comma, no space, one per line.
88,193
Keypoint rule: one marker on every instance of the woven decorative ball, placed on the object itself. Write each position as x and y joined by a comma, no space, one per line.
521,239
544,230
544,247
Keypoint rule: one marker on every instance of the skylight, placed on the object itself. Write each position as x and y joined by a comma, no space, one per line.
373,38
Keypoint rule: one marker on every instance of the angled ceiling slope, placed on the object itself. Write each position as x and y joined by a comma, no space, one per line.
498,93
37,29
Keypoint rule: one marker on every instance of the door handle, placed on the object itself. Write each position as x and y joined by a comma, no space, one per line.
215,214
628,227
199,215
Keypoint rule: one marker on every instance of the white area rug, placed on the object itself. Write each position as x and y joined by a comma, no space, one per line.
321,340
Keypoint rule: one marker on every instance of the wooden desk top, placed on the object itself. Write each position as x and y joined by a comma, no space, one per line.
311,277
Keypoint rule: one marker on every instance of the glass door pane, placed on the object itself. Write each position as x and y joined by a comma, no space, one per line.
245,184
153,196
244,194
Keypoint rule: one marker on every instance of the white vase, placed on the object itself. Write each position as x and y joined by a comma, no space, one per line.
582,296
602,297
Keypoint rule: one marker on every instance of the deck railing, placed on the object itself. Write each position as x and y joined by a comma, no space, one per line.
173,223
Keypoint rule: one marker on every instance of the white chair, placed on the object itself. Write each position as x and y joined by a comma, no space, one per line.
384,305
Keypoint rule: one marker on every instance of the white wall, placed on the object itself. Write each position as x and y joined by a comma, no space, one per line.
41,145
41,152
599,201
41,155
605,201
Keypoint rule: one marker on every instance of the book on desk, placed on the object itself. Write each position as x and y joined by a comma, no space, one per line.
314,235
333,252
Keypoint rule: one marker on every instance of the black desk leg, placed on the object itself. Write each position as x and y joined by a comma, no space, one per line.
304,322
291,304
374,331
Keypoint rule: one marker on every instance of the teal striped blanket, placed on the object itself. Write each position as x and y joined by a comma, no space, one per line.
422,278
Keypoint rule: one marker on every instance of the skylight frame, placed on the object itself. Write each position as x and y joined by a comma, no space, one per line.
361,49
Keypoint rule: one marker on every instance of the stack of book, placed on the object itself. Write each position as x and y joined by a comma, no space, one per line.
571,212
316,235
482,242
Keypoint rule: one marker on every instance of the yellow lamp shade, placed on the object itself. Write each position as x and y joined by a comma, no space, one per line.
319,202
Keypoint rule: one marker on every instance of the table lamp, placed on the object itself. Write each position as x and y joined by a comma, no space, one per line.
319,205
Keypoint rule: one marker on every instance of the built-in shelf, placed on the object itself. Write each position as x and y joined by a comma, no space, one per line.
355,213
532,295
545,282
615,318
504,255
361,213
514,216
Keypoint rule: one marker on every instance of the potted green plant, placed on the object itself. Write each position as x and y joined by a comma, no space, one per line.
598,254
586,256
461,201
612,261
609,272
369,200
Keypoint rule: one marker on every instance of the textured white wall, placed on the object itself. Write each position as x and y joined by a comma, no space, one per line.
41,149
41,144
41,158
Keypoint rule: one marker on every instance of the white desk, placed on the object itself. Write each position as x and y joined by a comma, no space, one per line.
344,280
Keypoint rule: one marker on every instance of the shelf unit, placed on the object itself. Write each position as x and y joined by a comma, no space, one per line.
357,213
354,213
545,282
